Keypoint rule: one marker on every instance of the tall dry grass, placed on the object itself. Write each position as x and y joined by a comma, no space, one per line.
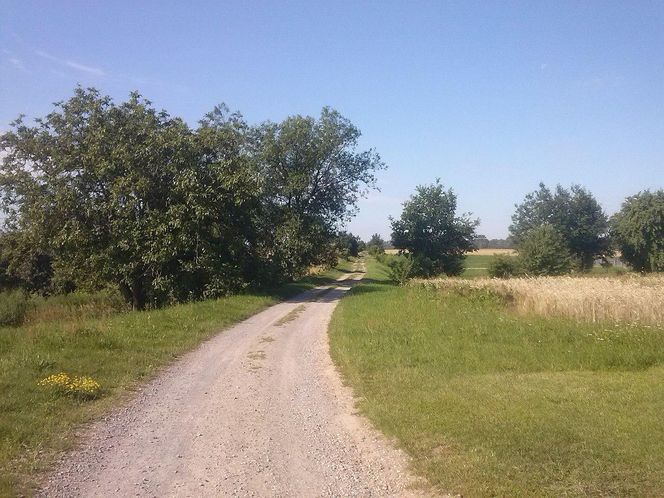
633,299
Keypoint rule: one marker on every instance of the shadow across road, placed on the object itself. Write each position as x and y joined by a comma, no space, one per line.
337,290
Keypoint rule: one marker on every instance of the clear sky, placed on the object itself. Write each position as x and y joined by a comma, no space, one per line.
492,97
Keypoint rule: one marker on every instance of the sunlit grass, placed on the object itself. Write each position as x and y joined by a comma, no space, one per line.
490,403
83,339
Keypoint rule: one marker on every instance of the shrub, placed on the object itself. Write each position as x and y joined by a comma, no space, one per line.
504,267
13,308
423,266
543,252
375,250
401,268
382,258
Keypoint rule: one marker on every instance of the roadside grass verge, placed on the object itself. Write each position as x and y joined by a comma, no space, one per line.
81,337
490,403
376,272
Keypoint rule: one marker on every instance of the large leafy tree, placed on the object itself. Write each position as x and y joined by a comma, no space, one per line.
98,193
128,195
312,176
574,213
432,232
638,231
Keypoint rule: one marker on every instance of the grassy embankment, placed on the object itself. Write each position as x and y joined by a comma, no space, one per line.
85,335
489,402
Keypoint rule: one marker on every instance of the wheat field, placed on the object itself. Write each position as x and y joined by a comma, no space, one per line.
632,299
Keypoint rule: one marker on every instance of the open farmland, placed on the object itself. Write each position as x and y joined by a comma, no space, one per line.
493,402
494,252
631,298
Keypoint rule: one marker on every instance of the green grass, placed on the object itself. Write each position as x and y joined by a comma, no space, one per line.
492,404
80,335
376,271
475,265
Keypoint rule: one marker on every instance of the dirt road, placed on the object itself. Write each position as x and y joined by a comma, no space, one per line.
258,410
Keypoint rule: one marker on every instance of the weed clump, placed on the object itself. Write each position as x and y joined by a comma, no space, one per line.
13,308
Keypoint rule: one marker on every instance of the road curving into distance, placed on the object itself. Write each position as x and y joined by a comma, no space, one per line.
258,410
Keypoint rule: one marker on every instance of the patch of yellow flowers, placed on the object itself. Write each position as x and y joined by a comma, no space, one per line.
77,387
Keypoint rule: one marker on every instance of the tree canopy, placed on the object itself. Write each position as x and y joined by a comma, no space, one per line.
99,193
575,214
638,231
543,252
348,244
431,231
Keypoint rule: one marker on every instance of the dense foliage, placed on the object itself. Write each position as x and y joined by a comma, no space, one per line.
576,216
502,266
401,268
432,233
349,245
638,231
99,193
543,252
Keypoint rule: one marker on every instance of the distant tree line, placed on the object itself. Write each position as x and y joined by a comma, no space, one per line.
567,230
98,193
555,232
482,242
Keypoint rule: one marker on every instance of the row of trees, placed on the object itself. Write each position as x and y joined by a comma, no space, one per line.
99,193
555,231
351,245
566,229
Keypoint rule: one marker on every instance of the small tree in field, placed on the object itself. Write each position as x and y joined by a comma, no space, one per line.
638,231
430,230
401,267
544,252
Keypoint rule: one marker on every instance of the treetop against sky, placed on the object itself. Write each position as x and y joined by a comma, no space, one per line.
491,97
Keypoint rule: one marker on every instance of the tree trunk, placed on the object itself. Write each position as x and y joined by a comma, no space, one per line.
134,294
137,295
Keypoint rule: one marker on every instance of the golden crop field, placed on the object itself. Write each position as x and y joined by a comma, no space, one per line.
633,299
495,252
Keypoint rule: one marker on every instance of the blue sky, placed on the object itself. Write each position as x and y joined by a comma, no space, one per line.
491,97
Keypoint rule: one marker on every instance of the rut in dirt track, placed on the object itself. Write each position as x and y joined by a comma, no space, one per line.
258,410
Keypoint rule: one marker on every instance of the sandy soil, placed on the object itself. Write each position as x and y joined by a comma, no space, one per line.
259,410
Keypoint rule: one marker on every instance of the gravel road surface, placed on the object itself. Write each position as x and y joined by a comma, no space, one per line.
258,410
